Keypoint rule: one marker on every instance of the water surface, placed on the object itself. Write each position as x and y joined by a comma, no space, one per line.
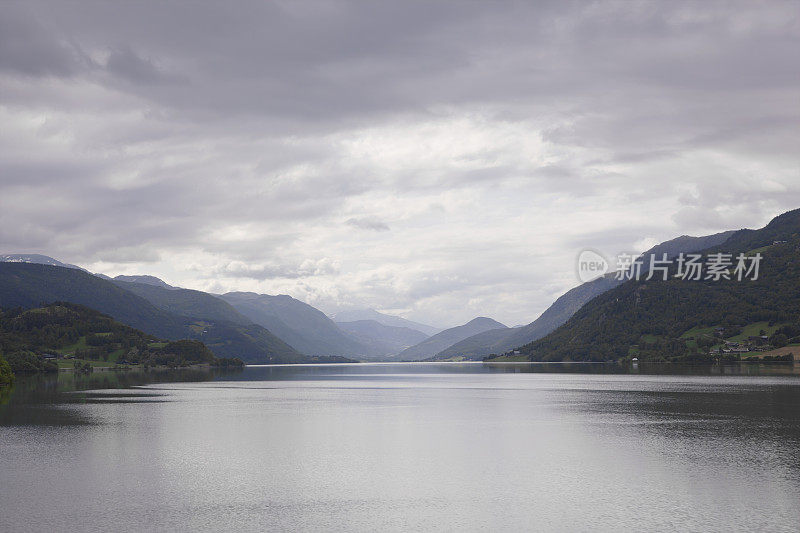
405,447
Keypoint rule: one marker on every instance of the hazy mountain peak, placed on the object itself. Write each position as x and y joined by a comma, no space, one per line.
384,341
301,325
145,279
485,321
433,345
37,259
242,294
354,315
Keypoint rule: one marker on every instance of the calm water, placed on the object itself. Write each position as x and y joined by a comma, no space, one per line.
405,447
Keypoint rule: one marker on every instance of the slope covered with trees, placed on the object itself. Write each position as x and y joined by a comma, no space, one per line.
6,375
500,341
32,285
29,338
652,319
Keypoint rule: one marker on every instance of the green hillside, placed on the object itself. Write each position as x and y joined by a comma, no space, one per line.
217,323
33,285
502,340
6,375
41,339
652,319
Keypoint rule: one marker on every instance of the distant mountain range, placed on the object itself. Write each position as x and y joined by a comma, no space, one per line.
304,327
381,318
383,341
264,328
30,285
279,328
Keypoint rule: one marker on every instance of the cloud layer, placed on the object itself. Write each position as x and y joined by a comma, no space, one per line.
438,160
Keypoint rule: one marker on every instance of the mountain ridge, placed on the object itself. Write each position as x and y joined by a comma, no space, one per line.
386,341
652,317
30,285
569,303
435,343
382,318
301,325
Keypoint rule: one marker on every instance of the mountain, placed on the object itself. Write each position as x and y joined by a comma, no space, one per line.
384,340
35,259
501,340
566,305
221,326
145,280
381,318
436,343
302,326
32,285
83,333
679,319
185,302
685,244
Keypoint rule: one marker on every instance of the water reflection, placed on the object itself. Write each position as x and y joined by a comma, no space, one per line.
501,447
281,372
44,399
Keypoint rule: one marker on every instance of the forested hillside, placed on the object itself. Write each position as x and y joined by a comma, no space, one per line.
655,319
32,340
32,285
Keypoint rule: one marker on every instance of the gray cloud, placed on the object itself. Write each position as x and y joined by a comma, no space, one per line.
308,268
223,146
368,223
127,64
29,48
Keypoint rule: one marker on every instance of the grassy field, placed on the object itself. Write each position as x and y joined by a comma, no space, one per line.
753,330
648,338
70,350
750,330
113,357
698,331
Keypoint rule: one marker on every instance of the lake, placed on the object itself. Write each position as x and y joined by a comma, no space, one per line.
389,447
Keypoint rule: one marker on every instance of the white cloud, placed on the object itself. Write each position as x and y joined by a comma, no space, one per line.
494,142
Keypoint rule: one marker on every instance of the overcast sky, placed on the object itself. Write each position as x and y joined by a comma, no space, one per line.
439,161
